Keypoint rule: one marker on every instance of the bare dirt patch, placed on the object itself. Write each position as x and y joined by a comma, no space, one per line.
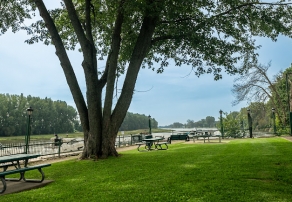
75,156
288,138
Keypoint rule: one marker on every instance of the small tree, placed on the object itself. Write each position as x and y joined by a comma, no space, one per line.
232,125
257,86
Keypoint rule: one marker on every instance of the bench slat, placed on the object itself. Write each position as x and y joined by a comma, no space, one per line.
22,173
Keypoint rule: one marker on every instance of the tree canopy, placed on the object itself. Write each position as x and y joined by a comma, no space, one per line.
210,36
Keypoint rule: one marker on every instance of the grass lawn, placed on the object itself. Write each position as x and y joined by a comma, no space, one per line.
241,170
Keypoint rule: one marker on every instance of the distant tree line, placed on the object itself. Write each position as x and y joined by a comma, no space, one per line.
51,117
137,121
208,122
48,116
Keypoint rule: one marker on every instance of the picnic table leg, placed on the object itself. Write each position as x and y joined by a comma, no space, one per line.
4,185
166,146
17,166
158,145
33,180
148,146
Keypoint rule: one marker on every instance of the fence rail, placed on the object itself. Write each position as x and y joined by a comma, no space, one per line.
45,148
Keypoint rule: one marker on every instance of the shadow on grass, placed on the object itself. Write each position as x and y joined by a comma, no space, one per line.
243,170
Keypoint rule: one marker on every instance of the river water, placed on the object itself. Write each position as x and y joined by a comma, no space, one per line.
213,131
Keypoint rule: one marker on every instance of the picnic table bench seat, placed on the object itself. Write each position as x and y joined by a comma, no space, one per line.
22,173
24,169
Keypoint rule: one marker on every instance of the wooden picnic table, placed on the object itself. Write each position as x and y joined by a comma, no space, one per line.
149,142
11,165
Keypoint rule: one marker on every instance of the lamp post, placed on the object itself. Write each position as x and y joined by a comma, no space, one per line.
42,125
249,120
274,120
7,119
149,124
27,137
221,124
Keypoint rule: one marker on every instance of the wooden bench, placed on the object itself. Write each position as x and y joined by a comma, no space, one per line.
159,144
22,174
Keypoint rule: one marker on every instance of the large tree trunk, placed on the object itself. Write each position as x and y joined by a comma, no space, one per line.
113,120
101,125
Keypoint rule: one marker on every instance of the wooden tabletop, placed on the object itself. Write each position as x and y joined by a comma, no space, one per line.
17,157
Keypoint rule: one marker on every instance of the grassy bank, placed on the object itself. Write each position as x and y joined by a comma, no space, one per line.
241,170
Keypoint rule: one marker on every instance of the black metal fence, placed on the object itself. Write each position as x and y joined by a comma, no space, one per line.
42,148
56,148
127,140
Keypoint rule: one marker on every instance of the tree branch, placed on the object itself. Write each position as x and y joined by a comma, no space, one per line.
210,19
65,63
141,48
76,24
112,61
88,21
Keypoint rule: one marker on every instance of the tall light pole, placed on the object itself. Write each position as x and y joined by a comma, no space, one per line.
149,124
42,125
27,137
221,123
249,120
274,121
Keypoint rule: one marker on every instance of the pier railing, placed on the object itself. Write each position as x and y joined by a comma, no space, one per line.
60,147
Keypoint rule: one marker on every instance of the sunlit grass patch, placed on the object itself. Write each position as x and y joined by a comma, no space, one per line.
242,170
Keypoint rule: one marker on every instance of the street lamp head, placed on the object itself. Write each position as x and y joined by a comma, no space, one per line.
29,110
149,117
248,110
273,110
220,112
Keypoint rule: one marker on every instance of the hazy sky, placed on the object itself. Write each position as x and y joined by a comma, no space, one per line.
174,96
